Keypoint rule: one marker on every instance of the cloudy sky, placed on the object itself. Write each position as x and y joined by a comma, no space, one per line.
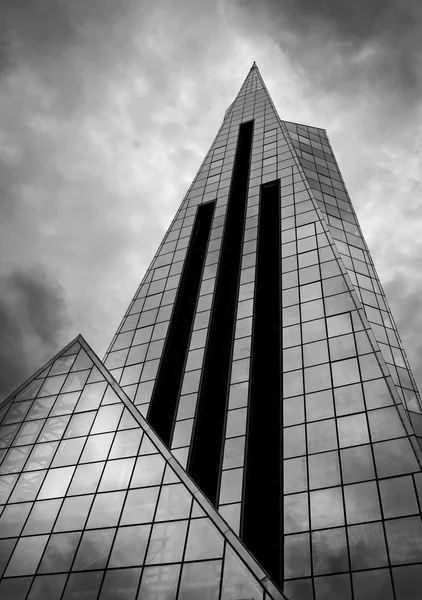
107,108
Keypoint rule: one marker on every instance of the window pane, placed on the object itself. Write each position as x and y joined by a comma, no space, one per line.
159,582
175,502
42,517
324,470
47,586
13,518
26,556
106,509
148,471
373,584
140,506
367,546
83,585
130,546
398,497
203,541
329,550
404,537
200,579
326,508
296,517
121,583
59,553
357,464
94,549
167,542
73,513
297,555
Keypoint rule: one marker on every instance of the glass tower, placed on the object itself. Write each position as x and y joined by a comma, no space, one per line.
254,428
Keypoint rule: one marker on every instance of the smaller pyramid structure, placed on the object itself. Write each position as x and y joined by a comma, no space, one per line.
94,506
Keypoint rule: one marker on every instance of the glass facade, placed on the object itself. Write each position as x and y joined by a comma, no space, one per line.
261,349
93,505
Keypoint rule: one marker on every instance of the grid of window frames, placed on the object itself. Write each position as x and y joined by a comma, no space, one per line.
90,507
347,451
319,164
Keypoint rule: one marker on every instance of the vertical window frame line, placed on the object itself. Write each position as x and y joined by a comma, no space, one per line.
159,393
276,570
195,464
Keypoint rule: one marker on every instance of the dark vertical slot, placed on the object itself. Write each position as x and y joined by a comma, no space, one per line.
261,519
207,440
166,390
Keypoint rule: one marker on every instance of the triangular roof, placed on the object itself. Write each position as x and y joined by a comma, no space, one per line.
47,423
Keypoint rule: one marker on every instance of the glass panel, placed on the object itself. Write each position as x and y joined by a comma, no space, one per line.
68,452
56,482
329,550
324,470
140,506
47,586
175,502
94,549
352,430
148,471
296,517
404,537
394,457
200,580
159,582
327,508
237,580
97,447
106,509
357,464
59,553
42,517
231,486
27,486
130,546
295,475
398,497
167,542
408,582
83,585
41,456
15,588
333,587
203,541
73,513
322,436
367,546
120,584
374,584
13,518
86,478
126,443
26,556
116,474
297,555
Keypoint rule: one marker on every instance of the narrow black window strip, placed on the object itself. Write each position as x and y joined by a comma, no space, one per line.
262,494
167,385
207,440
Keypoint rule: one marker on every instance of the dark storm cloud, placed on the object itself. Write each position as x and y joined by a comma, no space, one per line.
369,46
33,317
96,100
